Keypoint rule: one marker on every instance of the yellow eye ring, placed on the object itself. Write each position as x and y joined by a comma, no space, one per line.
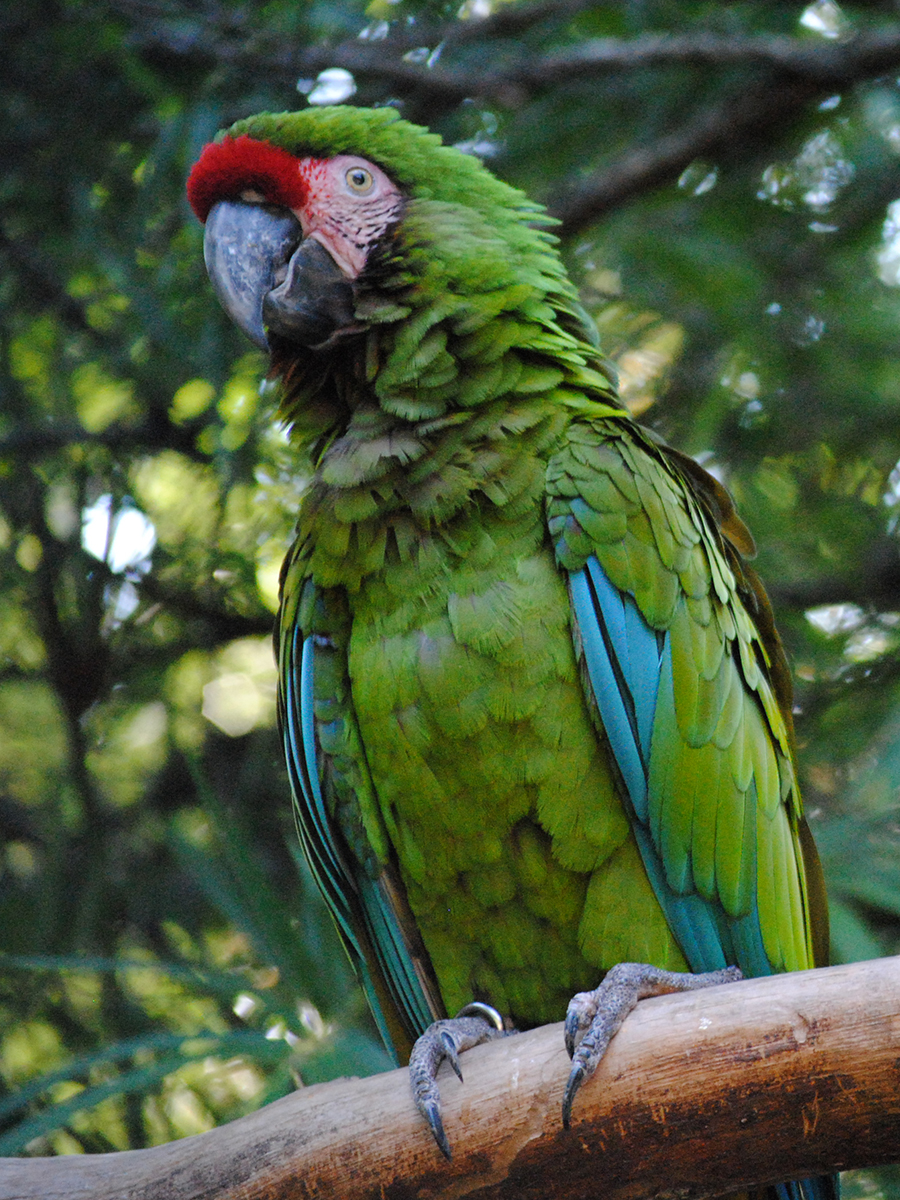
359,180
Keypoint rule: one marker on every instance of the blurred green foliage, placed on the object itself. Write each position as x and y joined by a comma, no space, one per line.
165,963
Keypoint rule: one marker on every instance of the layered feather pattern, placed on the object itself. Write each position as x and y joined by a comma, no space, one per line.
535,711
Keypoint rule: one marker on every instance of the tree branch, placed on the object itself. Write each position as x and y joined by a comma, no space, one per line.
191,606
706,1093
737,121
828,65
34,441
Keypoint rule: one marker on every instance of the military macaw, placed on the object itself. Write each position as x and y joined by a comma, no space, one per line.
536,714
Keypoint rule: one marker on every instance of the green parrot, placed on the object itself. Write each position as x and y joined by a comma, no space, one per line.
536,714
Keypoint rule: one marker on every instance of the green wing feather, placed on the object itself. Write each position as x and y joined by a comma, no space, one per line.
720,818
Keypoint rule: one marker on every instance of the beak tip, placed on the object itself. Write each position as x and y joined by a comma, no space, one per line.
257,335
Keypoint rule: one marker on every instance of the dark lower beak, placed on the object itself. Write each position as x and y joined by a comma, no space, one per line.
267,277
314,301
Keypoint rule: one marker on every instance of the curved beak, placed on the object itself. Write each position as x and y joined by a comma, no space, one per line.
266,276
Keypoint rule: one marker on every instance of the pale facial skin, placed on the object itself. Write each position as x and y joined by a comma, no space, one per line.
350,203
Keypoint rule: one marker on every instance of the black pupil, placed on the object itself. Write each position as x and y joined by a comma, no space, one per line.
359,178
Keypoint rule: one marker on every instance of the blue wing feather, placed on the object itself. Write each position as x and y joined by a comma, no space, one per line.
312,789
353,896
627,662
331,873
606,675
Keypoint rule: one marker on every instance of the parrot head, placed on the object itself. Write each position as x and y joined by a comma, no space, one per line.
287,236
376,264
297,204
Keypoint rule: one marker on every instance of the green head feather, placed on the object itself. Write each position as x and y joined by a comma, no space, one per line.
416,159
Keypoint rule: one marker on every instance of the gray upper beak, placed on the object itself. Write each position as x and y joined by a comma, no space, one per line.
266,275
244,246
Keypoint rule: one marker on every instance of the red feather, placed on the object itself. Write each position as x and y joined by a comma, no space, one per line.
233,165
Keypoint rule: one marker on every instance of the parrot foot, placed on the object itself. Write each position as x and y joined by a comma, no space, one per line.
598,1014
472,1025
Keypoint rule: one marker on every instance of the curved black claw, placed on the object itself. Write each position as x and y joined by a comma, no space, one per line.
443,1041
577,1077
600,1013
450,1054
431,1111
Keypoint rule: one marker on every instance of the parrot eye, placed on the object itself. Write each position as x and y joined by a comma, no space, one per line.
359,180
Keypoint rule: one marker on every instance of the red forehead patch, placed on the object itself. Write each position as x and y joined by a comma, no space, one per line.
229,167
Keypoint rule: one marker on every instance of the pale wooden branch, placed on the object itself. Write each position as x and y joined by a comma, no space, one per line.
699,1094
